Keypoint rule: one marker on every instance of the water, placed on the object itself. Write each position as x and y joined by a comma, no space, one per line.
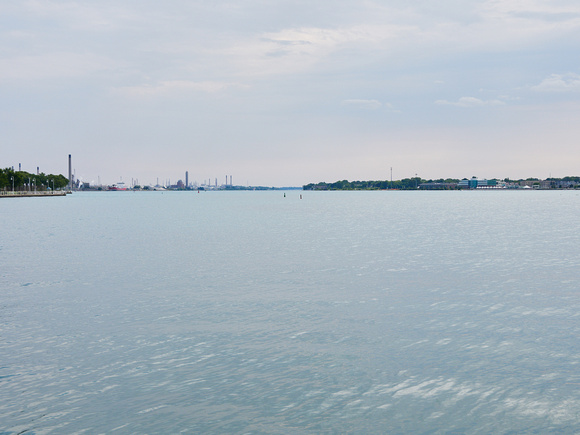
251,312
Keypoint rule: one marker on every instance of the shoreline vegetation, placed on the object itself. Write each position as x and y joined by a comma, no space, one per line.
417,183
21,183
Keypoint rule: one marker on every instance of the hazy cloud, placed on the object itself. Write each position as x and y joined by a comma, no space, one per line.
362,104
55,65
175,87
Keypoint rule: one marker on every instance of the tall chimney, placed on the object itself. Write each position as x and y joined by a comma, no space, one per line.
69,172
186,179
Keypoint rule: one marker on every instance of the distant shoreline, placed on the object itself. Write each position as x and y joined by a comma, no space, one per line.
417,183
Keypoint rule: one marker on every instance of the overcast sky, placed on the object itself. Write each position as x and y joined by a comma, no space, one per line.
284,93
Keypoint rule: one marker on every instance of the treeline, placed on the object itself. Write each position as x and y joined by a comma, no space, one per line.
404,184
575,179
22,180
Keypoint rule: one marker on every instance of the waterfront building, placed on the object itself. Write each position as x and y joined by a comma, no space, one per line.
474,183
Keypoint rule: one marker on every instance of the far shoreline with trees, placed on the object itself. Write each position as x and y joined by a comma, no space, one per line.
417,183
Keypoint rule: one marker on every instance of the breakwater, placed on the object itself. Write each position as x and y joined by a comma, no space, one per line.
16,194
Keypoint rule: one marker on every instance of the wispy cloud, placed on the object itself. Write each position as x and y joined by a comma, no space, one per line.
305,49
470,102
559,83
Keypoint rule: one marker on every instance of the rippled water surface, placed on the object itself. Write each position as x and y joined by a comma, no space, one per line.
251,312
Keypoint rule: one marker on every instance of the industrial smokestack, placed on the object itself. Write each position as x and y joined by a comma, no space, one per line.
186,179
69,172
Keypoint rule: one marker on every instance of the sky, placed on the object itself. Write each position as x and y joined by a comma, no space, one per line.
285,93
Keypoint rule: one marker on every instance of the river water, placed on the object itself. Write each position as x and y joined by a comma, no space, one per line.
255,312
